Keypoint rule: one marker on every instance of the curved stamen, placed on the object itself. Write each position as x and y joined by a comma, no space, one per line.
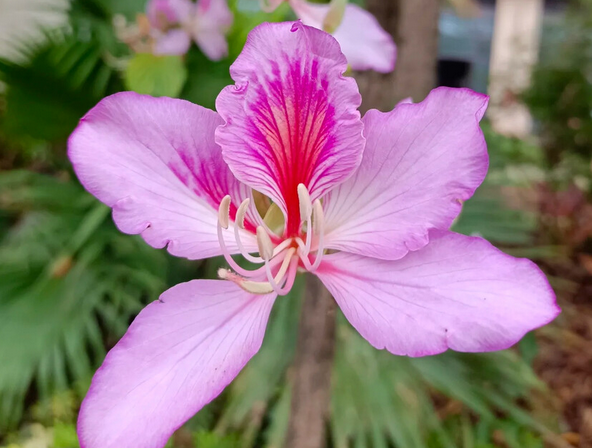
274,282
280,247
223,219
292,271
255,287
240,224
319,229
303,254
305,213
264,243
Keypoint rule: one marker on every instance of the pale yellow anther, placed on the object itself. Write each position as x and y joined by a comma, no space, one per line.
264,244
318,216
240,213
305,203
224,212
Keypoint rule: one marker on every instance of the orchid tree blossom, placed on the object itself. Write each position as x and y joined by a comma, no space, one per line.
363,41
366,204
175,23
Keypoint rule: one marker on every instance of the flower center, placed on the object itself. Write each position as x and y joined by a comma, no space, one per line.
281,261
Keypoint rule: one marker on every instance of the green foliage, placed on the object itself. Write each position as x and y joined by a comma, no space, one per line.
380,400
513,163
68,279
156,75
560,94
60,80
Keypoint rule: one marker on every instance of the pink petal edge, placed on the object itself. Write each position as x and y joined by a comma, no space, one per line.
178,355
420,160
155,162
291,117
458,292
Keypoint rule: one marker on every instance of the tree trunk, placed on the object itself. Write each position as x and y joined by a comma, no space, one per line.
311,372
414,26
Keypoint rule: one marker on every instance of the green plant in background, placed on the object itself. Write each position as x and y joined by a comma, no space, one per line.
70,282
560,97
67,280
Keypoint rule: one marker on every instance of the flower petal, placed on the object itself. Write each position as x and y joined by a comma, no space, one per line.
213,19
174,42
419,161
162,13
177,356
363,41
458,292
292,117
155,162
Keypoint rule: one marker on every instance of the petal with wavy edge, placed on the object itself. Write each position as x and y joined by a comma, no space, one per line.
292,117
458,292
178,355
363,41
420,160
155,162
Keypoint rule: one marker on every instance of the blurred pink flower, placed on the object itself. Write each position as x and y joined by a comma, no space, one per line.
175,23
379,193
363,41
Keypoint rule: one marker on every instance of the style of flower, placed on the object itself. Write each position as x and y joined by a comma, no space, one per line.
366,206
175,23
363,41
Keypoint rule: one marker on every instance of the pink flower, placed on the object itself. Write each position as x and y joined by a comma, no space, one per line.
363,41
380,193
176,22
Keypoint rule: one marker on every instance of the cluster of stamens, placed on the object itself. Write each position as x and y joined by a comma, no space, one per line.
280,262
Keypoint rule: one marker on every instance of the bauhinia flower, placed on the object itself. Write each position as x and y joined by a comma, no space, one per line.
175,23
365,205
363,41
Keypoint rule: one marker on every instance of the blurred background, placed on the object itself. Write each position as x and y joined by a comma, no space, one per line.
70,283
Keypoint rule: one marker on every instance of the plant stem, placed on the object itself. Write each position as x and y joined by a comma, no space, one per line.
311,372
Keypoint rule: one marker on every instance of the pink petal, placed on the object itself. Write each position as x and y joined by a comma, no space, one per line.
213,19
458,292
155,162
364,43
177,356
174,42
419,161
171,11
292,117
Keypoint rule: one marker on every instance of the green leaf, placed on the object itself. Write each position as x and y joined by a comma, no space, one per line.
156,75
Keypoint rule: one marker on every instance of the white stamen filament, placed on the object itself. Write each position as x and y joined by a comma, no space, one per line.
303,253
240,224
305,213
270,256
288,266
275,282
319,228
264,243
